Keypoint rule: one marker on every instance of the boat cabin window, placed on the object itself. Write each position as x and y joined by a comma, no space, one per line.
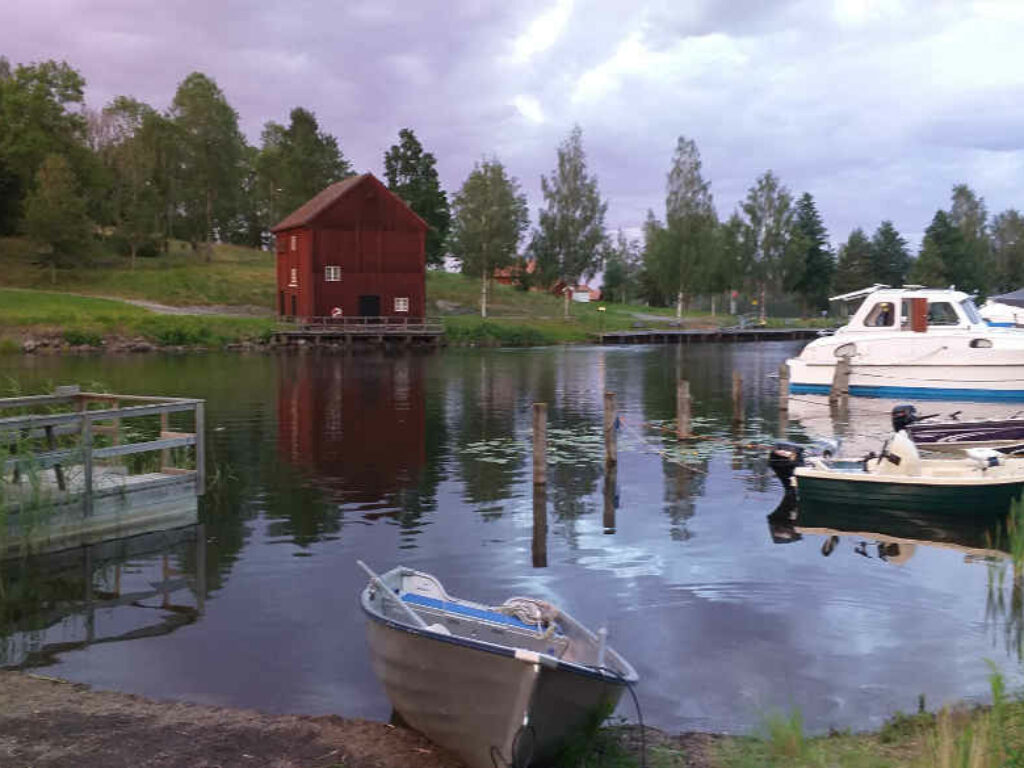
881,316
971,311
942,313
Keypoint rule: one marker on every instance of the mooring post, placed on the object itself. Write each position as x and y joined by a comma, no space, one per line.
784,387
840,389
165,454
200,428
86,440
611,455
683,409
540,443
737,398
539,548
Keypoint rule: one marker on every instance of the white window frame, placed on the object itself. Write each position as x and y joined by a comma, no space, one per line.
332,273
293,277
401,304
294,243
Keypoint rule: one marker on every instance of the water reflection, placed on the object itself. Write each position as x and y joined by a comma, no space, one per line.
111,592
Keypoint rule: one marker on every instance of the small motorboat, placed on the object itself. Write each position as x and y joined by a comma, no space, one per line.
898,478
512,684
952,434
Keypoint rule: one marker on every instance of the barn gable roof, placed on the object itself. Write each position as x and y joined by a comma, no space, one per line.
320,202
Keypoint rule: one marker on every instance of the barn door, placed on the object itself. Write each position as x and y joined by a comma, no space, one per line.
369,306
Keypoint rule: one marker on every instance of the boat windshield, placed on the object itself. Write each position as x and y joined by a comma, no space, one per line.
971,311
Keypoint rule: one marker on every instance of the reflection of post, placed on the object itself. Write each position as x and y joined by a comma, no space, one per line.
683,409
611,455
200,586
610,499
90,614
540,526
784,387
737,398
840,382
540,443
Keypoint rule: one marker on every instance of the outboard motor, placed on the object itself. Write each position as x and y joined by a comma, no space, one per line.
903,416
784,458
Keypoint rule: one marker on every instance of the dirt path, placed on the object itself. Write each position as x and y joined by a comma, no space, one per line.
239,310
49,724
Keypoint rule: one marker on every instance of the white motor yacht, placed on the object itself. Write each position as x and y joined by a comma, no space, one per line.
914,342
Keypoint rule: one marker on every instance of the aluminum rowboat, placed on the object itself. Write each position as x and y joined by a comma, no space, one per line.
490,684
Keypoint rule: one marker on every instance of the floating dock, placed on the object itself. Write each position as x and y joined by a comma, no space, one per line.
350,331
669,336
85,467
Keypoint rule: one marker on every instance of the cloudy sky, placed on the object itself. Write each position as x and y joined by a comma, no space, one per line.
876,108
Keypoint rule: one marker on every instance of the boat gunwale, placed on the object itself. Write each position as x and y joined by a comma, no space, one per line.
914,480
543,659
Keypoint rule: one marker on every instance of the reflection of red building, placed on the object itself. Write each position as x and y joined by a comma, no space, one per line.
357,423
355,249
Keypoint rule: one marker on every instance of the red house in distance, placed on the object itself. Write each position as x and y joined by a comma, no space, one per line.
354,250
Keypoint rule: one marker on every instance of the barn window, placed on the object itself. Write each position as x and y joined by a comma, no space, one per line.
294,242
401,305
332,274
293,280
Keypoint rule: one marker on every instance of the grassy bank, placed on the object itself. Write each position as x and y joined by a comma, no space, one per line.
238,276
80,320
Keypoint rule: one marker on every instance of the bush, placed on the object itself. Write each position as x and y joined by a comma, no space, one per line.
77,336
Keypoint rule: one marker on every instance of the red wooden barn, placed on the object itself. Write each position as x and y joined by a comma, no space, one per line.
355,249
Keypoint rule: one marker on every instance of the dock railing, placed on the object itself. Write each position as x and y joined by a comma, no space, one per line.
101,449
374,325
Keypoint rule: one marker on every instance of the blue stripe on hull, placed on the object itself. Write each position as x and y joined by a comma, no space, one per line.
917,393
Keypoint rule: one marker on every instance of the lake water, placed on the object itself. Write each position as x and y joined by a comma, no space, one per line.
424,459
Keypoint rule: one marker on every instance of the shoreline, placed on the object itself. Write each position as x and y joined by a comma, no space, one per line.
47,721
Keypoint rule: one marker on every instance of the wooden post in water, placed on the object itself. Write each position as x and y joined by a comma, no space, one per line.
737,398
165,454
784,387
683,409
540,443
539,548
86,442
611,454
840,382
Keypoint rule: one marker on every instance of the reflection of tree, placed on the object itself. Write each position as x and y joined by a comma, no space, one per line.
683,484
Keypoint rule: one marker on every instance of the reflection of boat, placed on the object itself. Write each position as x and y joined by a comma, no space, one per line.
898,478
914,342
896,534
497,686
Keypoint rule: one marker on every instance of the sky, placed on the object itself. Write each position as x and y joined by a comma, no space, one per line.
875,108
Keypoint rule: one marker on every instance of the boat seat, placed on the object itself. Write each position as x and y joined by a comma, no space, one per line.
482,614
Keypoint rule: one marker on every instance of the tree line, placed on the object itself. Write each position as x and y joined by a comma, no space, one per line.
144,176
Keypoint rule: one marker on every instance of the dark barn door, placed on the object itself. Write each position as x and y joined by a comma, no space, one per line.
369,306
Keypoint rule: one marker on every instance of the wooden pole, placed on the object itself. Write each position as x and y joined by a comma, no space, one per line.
784,387
683,409
840,389
165,454
611,455
539,549
540,443
737,398
86,443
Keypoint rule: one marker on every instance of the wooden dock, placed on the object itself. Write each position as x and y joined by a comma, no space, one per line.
350,331
84,467
728,335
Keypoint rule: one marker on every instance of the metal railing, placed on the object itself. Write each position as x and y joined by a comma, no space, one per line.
373,325
64,438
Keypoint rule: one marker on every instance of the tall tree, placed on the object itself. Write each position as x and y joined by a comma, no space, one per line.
733,258
490,217
890,256
621,265
211,163
769,214
690,222
819,266
411,174
40,115
567,243
855,269
967,211
129,151
1008,247
55,216
943,255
